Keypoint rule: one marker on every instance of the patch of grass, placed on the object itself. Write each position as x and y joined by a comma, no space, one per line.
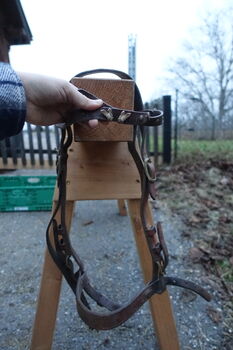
193,149
226,270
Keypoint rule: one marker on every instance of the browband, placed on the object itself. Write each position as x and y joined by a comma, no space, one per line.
112,114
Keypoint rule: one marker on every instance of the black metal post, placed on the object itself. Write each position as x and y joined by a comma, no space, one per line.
156,145
167,129
176,126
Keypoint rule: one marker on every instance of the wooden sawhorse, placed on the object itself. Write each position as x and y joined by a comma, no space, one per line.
101,167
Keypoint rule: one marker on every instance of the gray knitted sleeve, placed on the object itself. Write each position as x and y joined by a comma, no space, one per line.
12,102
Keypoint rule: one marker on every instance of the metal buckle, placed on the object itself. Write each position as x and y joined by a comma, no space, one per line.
146,165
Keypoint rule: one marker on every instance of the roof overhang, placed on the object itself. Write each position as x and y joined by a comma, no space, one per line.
13,23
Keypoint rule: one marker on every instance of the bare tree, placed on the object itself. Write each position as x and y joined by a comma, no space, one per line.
204,74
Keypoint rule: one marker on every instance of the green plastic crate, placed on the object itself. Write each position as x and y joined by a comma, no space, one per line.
26,193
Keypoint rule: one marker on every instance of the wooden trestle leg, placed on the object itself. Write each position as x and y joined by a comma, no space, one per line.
122,207
48,299
160,305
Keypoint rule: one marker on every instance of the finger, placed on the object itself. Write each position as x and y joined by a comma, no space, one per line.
93,123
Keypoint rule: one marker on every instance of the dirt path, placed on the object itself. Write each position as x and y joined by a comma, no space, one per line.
200,193
113,268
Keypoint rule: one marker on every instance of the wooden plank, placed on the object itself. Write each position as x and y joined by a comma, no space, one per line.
116,92
57,136
39,144
31,146
13,149
160,305
22,148
3,153
48,145
100,170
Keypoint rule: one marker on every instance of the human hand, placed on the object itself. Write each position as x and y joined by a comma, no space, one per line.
50,99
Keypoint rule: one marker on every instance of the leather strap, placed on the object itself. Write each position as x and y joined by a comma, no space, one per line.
62,251
112,114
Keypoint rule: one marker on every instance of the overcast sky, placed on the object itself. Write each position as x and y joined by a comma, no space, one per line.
70,36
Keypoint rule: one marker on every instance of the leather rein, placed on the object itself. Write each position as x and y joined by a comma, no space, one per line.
59,244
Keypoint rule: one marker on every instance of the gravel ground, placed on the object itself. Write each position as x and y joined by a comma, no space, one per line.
106,244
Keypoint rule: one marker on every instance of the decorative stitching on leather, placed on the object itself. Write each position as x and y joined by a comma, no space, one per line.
107,113
123,116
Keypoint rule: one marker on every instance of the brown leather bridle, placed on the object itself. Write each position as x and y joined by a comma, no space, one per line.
59,245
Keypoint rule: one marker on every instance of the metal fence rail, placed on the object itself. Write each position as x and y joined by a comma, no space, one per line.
159,139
